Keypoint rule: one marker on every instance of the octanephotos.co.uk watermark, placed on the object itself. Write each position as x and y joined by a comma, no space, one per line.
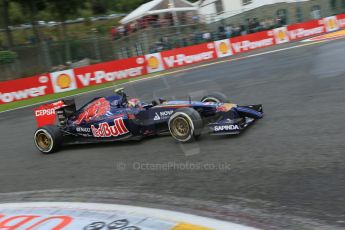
173,166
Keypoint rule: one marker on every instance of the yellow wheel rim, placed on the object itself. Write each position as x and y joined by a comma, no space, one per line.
180,127
43,141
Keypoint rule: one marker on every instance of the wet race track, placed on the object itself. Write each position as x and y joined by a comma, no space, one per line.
286,170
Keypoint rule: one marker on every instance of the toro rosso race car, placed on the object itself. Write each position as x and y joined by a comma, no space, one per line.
117,118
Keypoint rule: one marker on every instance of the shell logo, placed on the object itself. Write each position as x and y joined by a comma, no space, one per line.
331,24
63,81
281,35
153,62
223,48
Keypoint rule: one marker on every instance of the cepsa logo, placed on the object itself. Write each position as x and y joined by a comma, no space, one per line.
281,35
44,112
247,45
23,94
223,48
101,76
105,130
49,109
183,59
154,62
331,23
63,81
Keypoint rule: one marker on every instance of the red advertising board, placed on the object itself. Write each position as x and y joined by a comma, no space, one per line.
188,55
306,29
252,41
109,71
25,88
341,20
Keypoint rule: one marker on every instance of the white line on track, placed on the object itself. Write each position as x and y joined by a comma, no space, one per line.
178,71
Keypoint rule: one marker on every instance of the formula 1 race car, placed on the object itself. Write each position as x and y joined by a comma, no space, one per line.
115,118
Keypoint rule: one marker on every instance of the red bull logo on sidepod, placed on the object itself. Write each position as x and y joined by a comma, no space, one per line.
105,130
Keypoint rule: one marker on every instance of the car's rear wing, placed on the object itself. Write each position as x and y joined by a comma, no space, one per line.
49,114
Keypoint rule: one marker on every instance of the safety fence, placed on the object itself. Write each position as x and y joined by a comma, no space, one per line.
77,78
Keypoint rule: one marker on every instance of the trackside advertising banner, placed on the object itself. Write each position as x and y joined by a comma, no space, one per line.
25,88
109,71
341,20
307,29
189,55
67,80
252,41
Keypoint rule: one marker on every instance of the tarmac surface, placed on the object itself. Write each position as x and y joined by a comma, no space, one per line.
286,171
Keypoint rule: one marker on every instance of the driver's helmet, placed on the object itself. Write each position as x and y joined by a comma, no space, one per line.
134,103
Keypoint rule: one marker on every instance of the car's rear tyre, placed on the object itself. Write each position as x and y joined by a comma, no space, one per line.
48,139
185,125
215,97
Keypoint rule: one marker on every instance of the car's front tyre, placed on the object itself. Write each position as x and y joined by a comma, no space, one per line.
215,97
48,139
185,125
